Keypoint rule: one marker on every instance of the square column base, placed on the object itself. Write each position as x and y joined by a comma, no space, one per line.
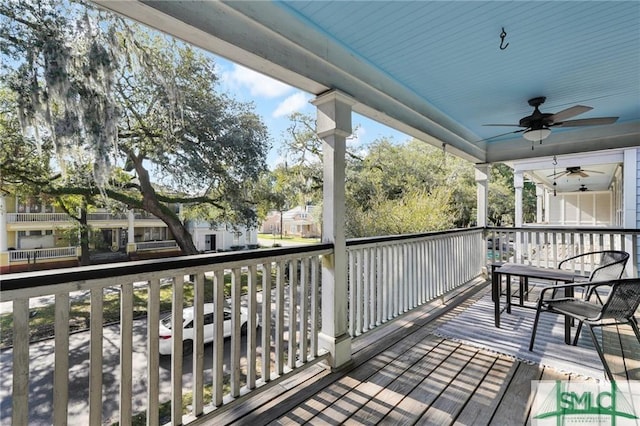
339,348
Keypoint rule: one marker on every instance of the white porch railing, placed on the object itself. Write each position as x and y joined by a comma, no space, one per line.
280,288
388,276
37,217
63,217
106,216
41,254
155,245
283,311
546,247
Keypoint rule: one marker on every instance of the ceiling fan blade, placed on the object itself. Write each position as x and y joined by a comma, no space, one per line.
503,125
587,122
502,134
564,172
570,112
582,174
593,171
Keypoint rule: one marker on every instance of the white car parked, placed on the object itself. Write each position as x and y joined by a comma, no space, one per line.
166,342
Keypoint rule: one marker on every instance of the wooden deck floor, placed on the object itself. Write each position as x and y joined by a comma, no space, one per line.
403,374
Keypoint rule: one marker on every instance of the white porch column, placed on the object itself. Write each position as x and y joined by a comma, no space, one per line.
3,224
630,192
539,203
482,191
333,126
518,184
131,239
631,199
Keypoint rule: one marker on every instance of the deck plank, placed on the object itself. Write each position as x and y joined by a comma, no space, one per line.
484,401
430,388
391,391
513,408
338,402
460,390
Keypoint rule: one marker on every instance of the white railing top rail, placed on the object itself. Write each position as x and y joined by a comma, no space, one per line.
407,238
565,229
46,282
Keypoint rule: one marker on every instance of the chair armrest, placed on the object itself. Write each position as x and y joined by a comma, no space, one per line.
568,259
559,286
593,286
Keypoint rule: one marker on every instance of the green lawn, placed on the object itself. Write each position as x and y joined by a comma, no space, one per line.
277,238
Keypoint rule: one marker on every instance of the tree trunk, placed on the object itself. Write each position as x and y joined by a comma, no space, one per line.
84,236
151,204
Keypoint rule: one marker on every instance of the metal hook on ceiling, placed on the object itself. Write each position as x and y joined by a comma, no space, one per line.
503,34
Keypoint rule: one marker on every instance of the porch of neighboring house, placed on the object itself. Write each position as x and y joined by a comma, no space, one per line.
301,221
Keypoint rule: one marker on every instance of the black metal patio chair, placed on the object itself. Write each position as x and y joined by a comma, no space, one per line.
620,307
605,265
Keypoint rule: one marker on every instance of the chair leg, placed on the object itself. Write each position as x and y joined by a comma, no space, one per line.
577,336
534,329
634,325
600,353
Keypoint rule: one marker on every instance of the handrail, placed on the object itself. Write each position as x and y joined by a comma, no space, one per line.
33,279
594,229
389,238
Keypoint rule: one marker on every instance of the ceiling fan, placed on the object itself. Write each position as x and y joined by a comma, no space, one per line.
537,126
575,171
583,188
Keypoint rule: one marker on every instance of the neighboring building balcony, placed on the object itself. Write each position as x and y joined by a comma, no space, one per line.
275,327
35,221
71,252
34,255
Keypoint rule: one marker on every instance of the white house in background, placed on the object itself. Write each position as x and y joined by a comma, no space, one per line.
301,221
222,237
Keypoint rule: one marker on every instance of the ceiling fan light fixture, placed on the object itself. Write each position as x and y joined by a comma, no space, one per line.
536,134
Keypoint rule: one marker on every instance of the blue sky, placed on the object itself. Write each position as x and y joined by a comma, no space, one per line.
275,100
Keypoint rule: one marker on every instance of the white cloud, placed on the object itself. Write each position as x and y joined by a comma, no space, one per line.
259,85
357,136
293,103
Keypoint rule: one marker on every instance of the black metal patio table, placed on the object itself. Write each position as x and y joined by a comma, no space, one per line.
525,272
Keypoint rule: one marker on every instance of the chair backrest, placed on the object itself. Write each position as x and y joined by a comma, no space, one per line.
611,265
623,300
